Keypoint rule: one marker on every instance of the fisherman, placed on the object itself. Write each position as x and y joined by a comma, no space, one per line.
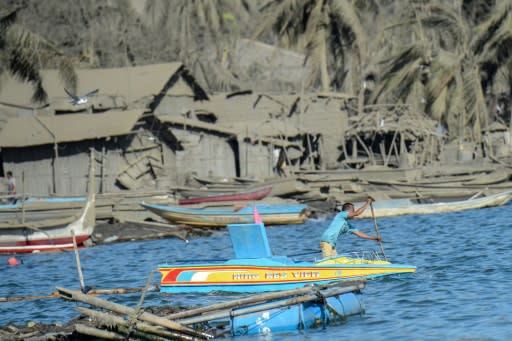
340,225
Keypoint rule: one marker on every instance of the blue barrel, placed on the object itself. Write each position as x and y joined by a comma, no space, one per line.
299,316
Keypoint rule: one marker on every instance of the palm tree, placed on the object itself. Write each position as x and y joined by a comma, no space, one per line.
203,32
449,63
328,31
23,53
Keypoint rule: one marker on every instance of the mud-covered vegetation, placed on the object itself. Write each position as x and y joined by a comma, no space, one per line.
448,59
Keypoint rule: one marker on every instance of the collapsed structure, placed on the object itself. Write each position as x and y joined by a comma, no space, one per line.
153,127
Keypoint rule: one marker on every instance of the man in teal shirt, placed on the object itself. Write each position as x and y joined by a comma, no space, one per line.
340,225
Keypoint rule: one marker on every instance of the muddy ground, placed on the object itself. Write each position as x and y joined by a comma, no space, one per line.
107,232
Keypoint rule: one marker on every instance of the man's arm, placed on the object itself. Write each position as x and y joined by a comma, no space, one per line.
365,236
361,209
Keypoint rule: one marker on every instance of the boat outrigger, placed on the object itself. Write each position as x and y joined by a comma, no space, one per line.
255,269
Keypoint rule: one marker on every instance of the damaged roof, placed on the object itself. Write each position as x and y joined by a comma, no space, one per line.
265,115
118,85
34,130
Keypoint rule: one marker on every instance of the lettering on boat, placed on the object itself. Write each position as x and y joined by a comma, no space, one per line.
275,275
245,277
305,274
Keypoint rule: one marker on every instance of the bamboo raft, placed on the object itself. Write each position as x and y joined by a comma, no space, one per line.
113,321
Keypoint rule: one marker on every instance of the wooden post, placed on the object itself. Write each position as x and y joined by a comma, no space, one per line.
321,150
246,152
370,154
391,146
55,160
22,199
311,160
382,149
78,266
354,148
102,183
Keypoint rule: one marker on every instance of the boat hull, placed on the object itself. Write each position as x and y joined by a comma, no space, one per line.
260,278
221,217
41,245
253,195
47,235
395,207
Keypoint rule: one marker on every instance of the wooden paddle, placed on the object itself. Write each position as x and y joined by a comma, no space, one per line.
377,230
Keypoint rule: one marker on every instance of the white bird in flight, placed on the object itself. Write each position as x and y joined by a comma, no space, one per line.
77,100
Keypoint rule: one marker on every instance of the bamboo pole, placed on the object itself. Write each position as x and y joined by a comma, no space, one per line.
377,231
132,318
313,295
55,294
102,334
259,298
27,298
78,266
145,316
138,335
141,326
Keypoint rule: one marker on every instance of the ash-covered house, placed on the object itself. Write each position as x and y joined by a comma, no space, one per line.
153,126
47,147
248,134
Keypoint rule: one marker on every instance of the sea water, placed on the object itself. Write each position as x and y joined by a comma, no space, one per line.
462,289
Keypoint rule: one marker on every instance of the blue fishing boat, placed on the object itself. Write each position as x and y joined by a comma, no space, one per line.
221,216
256,269
35,208
51,202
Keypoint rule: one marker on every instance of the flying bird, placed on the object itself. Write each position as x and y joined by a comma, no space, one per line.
77,100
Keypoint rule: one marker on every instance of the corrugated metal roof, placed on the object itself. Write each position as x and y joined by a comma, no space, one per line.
34,130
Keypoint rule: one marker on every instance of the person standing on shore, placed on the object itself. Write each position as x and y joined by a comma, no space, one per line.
340,225
11,186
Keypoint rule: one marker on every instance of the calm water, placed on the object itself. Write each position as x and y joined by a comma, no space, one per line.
461,291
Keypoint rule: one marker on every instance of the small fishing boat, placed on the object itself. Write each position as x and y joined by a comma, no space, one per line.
271,214
255,269
395,207
36,208
256,194
54,234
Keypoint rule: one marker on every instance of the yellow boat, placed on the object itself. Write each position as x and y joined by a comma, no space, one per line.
255,269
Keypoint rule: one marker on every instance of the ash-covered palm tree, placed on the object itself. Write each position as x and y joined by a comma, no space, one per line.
449,63
328,31
203,32
23,53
